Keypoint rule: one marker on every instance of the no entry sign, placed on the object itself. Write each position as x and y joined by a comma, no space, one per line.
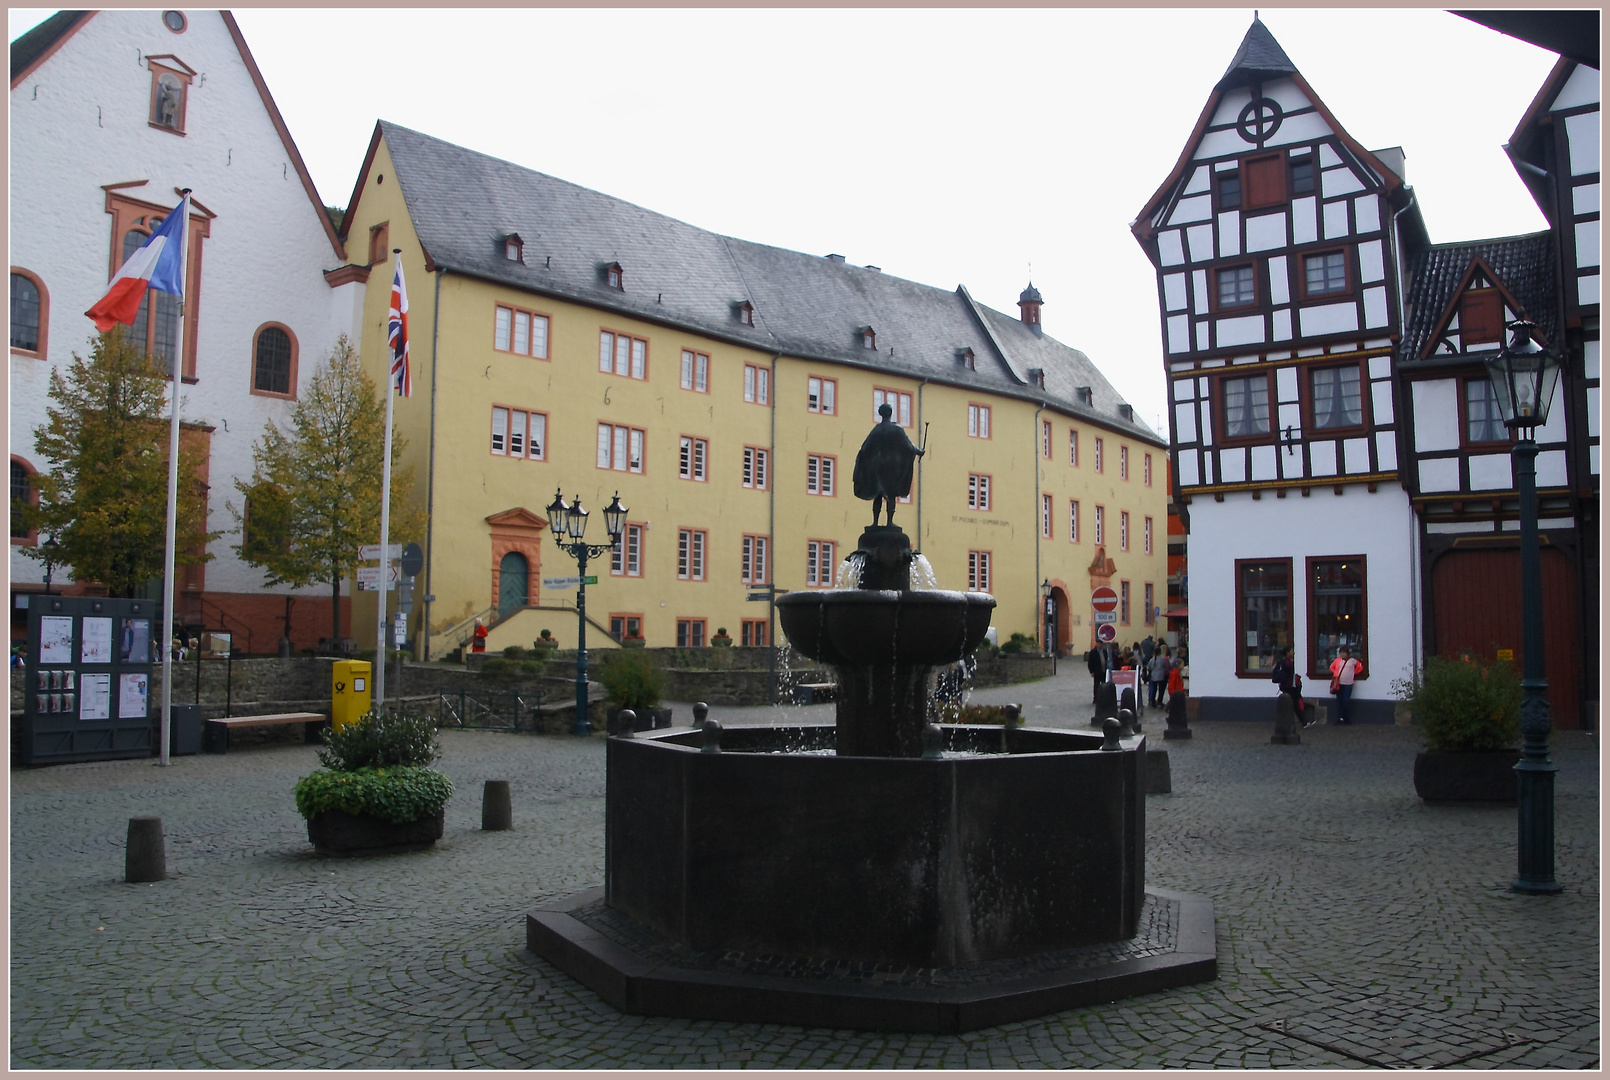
1104,598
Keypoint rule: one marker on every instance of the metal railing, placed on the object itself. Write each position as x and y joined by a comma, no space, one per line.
461,631
489,711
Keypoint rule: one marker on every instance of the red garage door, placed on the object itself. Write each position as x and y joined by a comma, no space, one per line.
1476,605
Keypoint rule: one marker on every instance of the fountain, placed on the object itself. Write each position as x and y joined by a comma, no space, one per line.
999,875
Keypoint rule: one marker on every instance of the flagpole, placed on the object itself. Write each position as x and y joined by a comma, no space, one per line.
379,673
172,539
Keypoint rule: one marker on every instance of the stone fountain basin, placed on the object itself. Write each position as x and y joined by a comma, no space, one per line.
879,626
912,861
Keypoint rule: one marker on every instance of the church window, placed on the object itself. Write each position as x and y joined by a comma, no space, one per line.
174,20
30,308
274,362
156,326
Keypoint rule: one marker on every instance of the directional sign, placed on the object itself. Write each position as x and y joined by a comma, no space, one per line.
369,577
1101,617
760,597
1107,632
1104,598
560,582
399,630
372,551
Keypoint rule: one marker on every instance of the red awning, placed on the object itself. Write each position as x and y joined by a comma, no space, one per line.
1177,613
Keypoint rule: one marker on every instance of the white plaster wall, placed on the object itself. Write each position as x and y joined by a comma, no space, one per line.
262,262
1378,526
1436,414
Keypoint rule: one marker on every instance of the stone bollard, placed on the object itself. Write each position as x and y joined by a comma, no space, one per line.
1285,722
1012,714
1178,728
1159,781
701,712
1106,704
1112,731
712,737
933,742
146,858
1126,700
626,724
496,812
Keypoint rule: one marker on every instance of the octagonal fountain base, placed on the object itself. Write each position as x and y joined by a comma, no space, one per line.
998,882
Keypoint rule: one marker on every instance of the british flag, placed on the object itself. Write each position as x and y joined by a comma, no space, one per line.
397,334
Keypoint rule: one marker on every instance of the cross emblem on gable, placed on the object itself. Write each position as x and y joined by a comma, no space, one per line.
1260,120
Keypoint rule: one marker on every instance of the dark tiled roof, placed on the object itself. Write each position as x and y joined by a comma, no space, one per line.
462,203
30,46
1524,265
1260,54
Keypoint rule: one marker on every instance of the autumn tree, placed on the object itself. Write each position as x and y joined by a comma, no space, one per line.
314,494
105,496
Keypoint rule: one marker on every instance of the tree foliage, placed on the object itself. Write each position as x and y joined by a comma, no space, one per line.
314,494
105,496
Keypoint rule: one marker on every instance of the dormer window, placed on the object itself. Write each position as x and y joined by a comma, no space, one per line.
869,339
1037,377
746,313
612,276
968,360
1085,395
514,248
170,87
1126,411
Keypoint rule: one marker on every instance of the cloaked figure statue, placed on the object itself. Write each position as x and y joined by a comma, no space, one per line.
883,467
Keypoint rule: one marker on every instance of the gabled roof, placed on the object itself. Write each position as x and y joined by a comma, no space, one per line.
1523,267
1525,146
1259,58
32,49
1573,33
681,276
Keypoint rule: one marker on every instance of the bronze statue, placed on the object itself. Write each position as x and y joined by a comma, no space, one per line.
883,467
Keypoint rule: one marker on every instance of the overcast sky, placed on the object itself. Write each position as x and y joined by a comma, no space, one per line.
945,146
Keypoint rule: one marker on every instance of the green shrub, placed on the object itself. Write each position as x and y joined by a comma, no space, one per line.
531,667
1464,703
498,668
381,739
1020,643
513,652
632,683
396,794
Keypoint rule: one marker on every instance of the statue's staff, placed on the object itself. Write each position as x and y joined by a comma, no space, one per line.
923,449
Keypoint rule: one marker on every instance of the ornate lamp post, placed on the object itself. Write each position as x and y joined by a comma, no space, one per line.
1524,376
52,552
1050,607
570,520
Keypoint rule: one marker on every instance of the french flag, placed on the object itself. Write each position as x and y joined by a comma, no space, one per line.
158,264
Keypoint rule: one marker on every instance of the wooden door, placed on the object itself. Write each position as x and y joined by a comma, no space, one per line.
513,581
1476,606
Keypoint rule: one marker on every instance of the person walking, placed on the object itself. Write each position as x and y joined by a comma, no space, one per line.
1343,670
1158,676
1096,661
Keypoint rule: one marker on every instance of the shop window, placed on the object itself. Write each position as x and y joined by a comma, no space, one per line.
1336,611
1263,614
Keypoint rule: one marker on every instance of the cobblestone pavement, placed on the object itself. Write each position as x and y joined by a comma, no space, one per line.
1356,927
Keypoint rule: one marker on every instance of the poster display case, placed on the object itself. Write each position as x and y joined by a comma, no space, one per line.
89,679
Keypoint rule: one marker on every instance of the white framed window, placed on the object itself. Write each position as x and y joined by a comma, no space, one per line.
1073,447
754,559
1098,456
622,355
820,563
757,384
1149,616
819,470
522,332
896,400
1045,516
690,545
620,448
1123,530
978,571
1073,521
695,371
977,491
1123,603
1123,462
978,421
821,395
755,462
519,433
691,458
1101,525
626,557
1045,439
1146,534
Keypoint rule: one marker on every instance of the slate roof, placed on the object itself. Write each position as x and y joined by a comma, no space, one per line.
1259,56
462,203
1523,264
37,41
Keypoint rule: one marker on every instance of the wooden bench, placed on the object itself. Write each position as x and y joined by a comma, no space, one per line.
815,693
215,737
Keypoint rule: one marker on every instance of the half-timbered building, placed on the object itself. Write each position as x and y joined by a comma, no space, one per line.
1337,453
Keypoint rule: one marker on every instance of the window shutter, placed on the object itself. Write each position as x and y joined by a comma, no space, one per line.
1265,181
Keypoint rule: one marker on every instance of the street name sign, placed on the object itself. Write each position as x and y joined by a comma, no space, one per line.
372,551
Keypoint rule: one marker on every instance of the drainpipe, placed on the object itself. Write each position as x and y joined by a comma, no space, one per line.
771,539
1399,396
1039,604
430,468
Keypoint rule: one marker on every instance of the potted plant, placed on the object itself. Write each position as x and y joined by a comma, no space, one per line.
377,792
1468,711
631,682
721,640
545,646
632,641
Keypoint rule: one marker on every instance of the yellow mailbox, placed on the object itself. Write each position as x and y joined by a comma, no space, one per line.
349,692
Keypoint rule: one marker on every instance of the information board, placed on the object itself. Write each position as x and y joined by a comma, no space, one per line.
89,679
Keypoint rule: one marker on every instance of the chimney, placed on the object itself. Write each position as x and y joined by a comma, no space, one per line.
835,258
1029,304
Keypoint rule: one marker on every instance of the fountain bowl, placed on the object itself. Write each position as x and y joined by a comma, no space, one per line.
881,626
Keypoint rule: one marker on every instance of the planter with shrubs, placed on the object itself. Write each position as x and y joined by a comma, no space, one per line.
631,682
1468,711
377,792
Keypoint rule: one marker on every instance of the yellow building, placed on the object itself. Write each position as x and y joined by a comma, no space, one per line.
566,340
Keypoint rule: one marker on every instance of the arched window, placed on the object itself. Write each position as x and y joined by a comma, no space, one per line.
22,496
274,362
30,313
156,327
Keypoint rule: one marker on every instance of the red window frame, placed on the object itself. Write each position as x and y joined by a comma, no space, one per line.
753,632
822,405
690,627
979,570
42,346
257,335
625,620
755,544
821,563
1241,565
978,491
689,374
813,469
532,316
757,468
685,558
1317,670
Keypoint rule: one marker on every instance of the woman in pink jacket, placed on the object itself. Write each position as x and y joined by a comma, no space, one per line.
1343,670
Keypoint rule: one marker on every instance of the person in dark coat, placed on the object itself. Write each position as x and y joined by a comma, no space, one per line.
1096,661
884,465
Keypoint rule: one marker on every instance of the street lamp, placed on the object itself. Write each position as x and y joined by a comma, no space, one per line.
1050,608
52,553
570,520
1524,376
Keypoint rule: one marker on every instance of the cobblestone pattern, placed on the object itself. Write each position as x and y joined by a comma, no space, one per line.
1356,927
